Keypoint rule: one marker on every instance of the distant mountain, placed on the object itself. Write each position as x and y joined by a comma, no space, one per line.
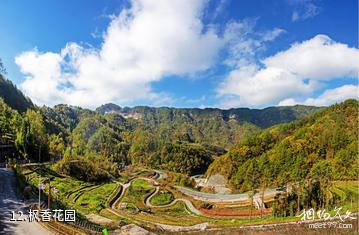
109,108
209,126
260,117
13,96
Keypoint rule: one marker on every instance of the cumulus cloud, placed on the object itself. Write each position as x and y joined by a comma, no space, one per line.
329,96
43,74
144,43
288,102
317,58
153,39
249,86
296,72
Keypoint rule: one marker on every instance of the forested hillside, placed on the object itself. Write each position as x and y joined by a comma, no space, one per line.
181,140
216,127
322,146
12,96
188,140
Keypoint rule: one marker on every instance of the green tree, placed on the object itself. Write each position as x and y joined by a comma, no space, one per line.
56,146
31,137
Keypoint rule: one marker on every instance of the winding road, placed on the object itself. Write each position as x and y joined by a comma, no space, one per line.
171,228
204,197
124,188
120,193
216,197
188,203
207,197
9,201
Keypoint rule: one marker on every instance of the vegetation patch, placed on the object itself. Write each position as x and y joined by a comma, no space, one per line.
89,169
162,198
95,200
137,192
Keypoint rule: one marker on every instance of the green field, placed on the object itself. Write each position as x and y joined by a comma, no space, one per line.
348,194
82,196
136,194
95,200
162,198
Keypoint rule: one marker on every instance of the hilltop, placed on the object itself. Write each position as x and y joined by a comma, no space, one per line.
323,145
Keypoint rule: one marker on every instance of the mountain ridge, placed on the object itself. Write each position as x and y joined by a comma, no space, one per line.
255,116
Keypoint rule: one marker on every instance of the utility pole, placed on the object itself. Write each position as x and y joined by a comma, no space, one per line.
39,179
39,192
39,153
49,195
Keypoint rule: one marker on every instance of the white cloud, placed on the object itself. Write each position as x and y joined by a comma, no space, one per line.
250,86
221,6
288,102
304,9
317,58
243,42
299,71
157,38
335,95
42,80
144,43
273,34
328,97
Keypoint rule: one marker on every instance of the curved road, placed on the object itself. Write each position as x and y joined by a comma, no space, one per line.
121,192
119,197
216,197
9,201
209,197
188,203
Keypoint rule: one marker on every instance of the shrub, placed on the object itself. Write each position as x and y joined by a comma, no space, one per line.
89,169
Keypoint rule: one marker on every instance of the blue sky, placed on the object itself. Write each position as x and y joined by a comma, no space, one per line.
198,53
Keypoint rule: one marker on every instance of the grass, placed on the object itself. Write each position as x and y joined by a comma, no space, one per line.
179,215
95,200
140,184
65,186
93,197
162,198
123,178
131,207
348,192
137,192
178,209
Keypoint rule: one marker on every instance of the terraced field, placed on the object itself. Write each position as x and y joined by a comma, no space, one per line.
82,196
346,191
137,197
96,199
162,198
